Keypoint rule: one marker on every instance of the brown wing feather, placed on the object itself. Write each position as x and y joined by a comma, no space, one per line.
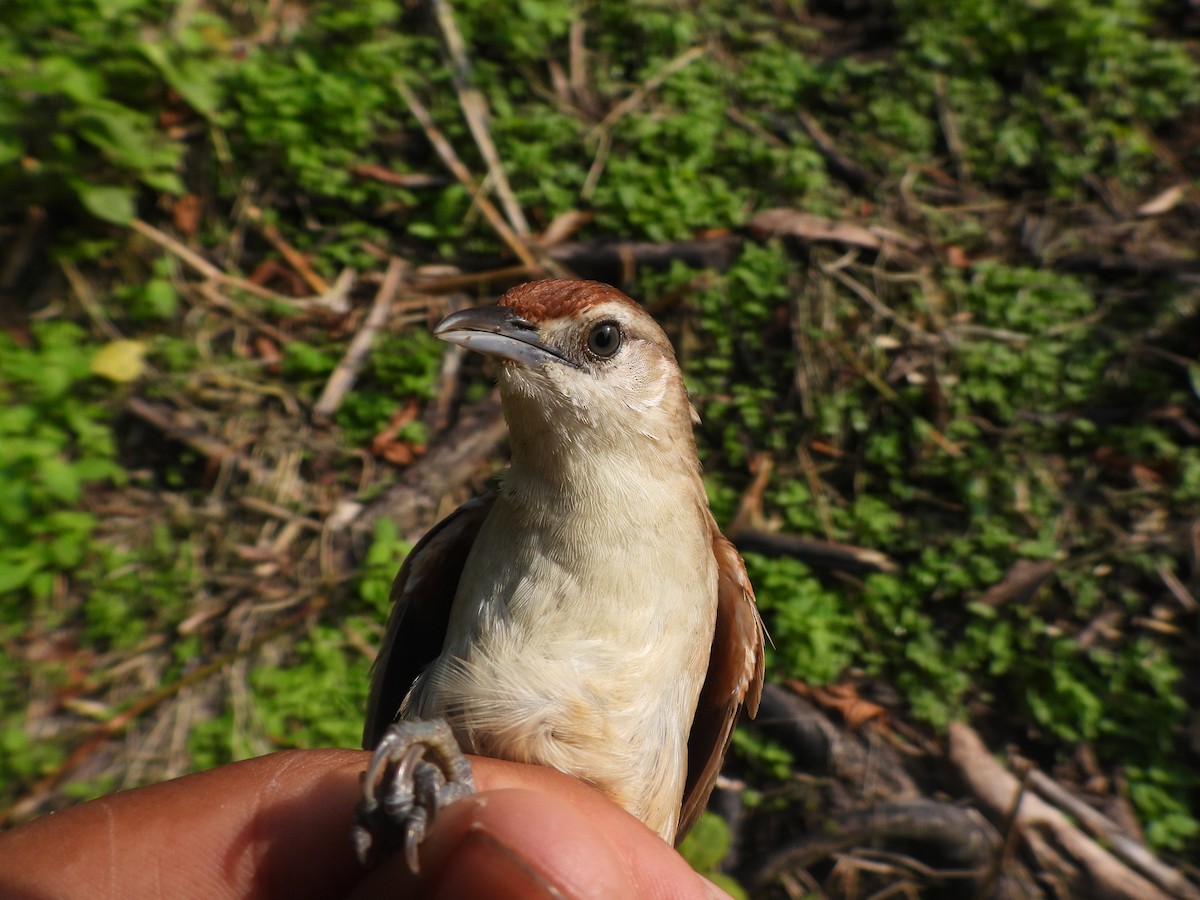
422,595
734,680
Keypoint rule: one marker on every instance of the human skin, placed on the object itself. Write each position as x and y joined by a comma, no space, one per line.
279,826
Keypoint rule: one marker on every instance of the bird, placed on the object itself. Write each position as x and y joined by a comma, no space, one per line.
587,614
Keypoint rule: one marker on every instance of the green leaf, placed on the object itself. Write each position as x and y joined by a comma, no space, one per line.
193,81
60,479
167,182
106,201
707,843
16,575
64,75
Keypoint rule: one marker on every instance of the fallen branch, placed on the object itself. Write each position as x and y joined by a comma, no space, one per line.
1108,831
812,229
463,174
474,109
615,261
1181,268
999,791
820,747
449,463
167,421
344,375
960,838
813,552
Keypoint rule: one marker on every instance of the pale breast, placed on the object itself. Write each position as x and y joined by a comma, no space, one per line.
581,655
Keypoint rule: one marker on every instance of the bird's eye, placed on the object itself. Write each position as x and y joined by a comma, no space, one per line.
605,339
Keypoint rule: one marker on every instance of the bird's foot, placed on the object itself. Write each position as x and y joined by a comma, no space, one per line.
417,769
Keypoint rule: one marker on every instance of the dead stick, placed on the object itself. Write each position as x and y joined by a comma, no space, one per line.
344,376
209,291
197,262
293,256
204,444
475,111
118,723
463,174
996,789
1114,837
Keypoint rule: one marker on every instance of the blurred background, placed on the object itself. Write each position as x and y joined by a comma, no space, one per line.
931,271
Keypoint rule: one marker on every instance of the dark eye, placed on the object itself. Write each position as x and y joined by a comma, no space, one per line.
605,339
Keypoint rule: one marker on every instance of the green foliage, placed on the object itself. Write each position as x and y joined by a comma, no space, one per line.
154,299
56,443
133,592
1029,360
379,568
303,359
704,848
318,700
812,628
54,440
82,83
402,367
744,380
1053,90
1037,379
1155,792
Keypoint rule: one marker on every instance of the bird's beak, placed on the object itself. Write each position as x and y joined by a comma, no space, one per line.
498,331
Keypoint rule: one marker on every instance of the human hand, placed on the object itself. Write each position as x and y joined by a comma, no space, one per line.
279,826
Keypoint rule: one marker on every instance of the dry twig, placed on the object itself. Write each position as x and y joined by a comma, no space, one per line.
293,256
474,109
604,129
1114,837
997,789
343,376
206,445
201,265
463,174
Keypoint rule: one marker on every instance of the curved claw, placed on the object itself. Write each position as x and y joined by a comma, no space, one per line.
414,833
417,769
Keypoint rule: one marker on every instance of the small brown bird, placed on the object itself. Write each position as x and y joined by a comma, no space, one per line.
589,615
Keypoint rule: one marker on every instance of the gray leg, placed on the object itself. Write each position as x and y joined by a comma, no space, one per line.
417,769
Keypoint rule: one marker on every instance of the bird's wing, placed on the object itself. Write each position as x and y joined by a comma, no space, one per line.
734,680
422,595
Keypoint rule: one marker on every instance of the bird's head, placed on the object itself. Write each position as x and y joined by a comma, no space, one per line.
581,363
